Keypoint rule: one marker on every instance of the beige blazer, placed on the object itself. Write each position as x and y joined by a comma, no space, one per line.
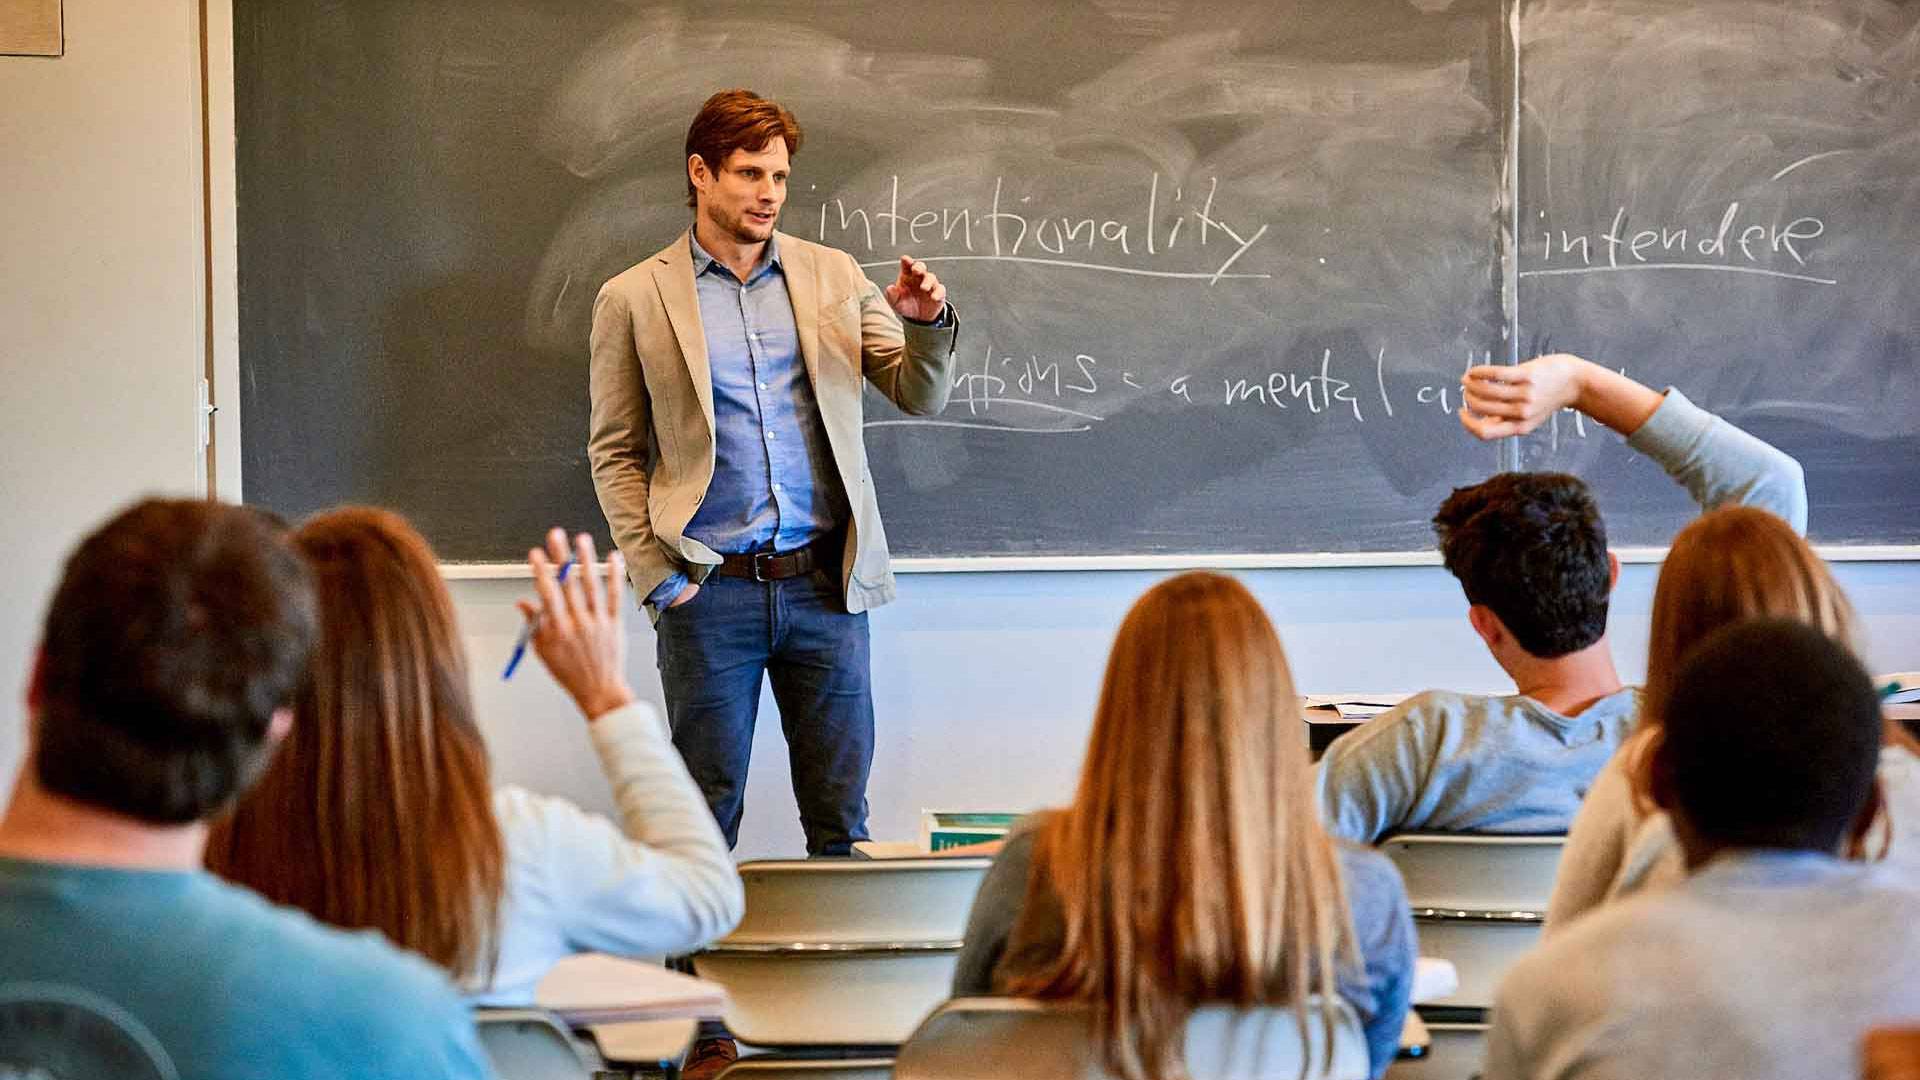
651,434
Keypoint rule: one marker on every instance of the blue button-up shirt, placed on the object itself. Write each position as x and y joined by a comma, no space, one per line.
774,483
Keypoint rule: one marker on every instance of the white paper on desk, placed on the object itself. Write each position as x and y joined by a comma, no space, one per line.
593,988
1383,701
1433,979
1909,687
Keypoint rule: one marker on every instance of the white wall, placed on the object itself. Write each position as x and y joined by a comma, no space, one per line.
985,683
102,294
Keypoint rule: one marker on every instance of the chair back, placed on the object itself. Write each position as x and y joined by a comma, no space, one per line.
530,1044
1480,902
1001,1038
842,952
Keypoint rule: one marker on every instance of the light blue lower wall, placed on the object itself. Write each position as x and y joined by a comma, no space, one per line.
985,683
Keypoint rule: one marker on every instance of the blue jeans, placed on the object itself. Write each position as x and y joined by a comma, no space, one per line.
713,650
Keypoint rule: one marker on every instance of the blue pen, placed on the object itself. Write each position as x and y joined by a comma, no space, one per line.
526,631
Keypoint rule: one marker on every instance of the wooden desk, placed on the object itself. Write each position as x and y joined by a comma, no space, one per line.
1324,724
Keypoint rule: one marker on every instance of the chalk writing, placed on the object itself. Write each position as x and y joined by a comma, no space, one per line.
1011,229
1777,248
1040,395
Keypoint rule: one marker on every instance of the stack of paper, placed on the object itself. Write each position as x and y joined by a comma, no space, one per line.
1354,706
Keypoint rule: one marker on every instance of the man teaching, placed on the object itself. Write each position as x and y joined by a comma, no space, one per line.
728,457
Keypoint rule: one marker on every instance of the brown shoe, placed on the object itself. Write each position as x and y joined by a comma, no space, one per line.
708,1058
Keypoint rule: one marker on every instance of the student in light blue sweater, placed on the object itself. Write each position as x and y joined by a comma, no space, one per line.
1190,868
1530,551
1774,958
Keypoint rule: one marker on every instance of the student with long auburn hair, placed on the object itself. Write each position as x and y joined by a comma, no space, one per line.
379,812
1191,867
1730,565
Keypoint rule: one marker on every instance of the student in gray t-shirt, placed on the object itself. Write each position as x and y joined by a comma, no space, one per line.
1775,957
1530,551
173,647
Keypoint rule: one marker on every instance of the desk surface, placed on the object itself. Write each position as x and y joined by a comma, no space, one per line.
592,988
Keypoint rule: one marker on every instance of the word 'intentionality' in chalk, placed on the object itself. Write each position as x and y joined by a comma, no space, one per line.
1012,230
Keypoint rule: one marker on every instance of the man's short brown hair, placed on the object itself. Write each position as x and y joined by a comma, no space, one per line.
177,630
737,120
1533,548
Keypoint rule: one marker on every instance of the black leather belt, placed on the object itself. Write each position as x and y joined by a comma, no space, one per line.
779,565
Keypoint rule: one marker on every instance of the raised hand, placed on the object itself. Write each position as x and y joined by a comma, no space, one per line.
579,625
916,293
1502,400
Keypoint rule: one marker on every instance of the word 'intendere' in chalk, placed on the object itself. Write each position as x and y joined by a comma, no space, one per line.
1772,249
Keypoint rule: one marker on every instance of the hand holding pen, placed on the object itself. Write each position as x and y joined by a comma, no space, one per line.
526,632
579,624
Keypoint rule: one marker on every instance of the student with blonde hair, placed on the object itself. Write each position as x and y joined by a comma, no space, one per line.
380,811
1730,565
1191,866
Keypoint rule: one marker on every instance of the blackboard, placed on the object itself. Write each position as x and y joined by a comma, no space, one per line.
1766,159
1219,264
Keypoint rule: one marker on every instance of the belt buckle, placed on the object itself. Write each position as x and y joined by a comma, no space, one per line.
759,572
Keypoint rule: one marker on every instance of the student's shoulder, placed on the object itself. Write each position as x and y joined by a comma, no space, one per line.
338,969
1444,706
1427,712
1895,886
1545,971
525,816
1020,838
1621,934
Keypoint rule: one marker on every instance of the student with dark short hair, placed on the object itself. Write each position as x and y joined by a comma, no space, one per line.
173,646
1531,549
1530,552
1776,955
